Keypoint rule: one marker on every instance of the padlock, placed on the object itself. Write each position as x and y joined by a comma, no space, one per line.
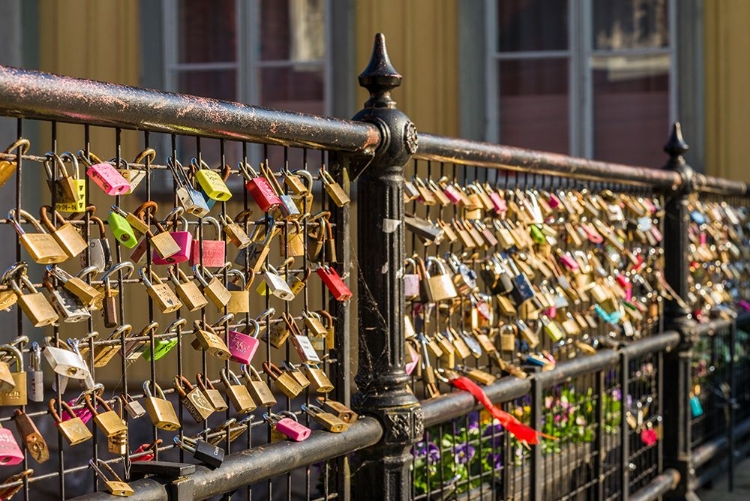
257,388
41,246
190,198
253,256
135,348
74,431
183,238
338,409
334,189
31,437
193,399
10,453
317,332
87,383
34,305
239,299
36,387
159,409
287,426
164,244
319,380
283,380
164,299
334,283
234,232
132,406
9,167
243,346
508,338
238,394
296,373
211,251
206,339
293,240
477,375
17,395
325,419
277,286
114,484
211,393
411,281
104,175
209,454
211,181
129,227
67,237
294,182
278,332
62,187
259,188
287,209
302,344
188,292
69,308
86,293
441,285
211,287
100,252
118,444
134,174
109,422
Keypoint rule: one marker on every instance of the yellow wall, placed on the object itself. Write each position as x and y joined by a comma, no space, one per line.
421,36
727,74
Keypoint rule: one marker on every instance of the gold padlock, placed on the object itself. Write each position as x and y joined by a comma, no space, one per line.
66,236
338,409
188,292
279,332
325,419
193,399
109,422
212,288
34,305
74,431
211,393
164,298
41,246
239,300
296,373
206,339
283,380
237,392
159,409
8,167
86,293
319,380
115,484
258,388
334,189
234,232
18,395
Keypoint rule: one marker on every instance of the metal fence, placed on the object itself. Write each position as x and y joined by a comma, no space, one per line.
589,373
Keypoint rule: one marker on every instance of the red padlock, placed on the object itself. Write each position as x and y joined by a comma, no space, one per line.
259,188
333,281
183,238
213,250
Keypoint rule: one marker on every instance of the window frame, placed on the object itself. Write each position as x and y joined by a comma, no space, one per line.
580,53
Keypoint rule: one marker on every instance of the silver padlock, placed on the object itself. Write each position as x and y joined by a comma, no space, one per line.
66,304
36,375
64,361
190,198
87,382
277,285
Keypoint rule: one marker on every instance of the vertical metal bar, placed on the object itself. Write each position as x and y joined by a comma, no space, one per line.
624,432
599,437
382,380
731,404
536,477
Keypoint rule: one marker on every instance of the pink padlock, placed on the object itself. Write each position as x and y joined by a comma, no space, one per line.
10,452
569,262
450,191
414,356
553,201
183,238
411,281
84,413
105,176
743,304
498,203
288,426
213,250
243,346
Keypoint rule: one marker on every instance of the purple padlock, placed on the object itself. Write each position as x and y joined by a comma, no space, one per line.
106,176
183,238
243,346
288,426
10,452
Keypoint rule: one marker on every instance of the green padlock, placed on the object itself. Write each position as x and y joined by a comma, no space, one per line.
162,346
122,230
536,234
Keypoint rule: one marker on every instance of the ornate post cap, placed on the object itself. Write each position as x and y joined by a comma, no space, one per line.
380,77
675,148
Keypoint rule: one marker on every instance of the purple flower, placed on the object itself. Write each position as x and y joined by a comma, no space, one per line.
617,394
495,459
427,449
464,453
473,419
494,432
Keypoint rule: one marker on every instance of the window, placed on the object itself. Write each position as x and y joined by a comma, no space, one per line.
592,78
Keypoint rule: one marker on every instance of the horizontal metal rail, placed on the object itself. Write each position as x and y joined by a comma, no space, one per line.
721,186
661,342
710,328
259,463
706,452
493,156
659,486
720,467
44,96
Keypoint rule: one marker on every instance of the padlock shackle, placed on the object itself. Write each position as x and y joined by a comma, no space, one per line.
148,153
15,353
223,321
98,400
178,171
44,211
180,382
226,374
174,325
204,383
266,171
271,369
50,157
238,277
17,268
64,405
22,144
213,222
88,160
250,372
311,409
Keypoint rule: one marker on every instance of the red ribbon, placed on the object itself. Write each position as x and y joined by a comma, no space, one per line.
509,422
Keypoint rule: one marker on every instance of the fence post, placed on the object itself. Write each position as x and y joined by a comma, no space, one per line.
677,433
381,378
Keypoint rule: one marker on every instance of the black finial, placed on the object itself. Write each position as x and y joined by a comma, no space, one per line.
676,146
380,77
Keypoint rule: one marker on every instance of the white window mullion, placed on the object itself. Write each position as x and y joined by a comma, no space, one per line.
586,78
674,98
492,74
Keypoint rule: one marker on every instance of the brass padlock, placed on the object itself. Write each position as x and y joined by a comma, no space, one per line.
283,380
188,292
234,232
239,300
478,375
109,422
258,388
279,332
31,437
74,431
18,395
325,419
334,189
41,246
164,298
86,293
338,409
66,236
118,444
206,339
159,409
34,304
211,393
211,287
319,380
115,484
237,392
441,286
8,167
106,351
193,399
316,329
296,373
293,240
163,242
508,337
